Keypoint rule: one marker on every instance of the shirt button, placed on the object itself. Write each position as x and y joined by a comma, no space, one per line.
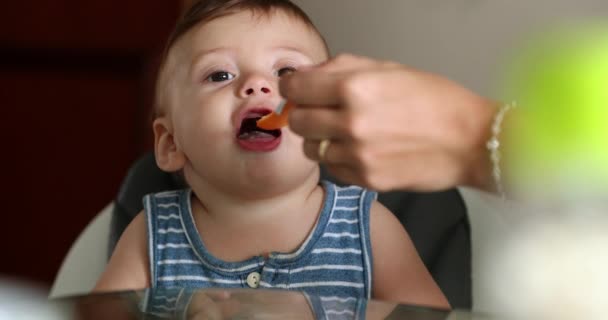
253,280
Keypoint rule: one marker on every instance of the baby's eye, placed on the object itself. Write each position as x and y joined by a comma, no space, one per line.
220,76
285,70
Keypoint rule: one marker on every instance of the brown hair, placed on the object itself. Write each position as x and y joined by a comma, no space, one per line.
202,11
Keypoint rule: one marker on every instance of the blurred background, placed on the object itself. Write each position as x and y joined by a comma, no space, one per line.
76,81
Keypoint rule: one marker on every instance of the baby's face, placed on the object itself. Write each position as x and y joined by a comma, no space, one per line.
226,71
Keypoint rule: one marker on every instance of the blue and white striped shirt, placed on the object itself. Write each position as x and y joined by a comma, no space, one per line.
334,261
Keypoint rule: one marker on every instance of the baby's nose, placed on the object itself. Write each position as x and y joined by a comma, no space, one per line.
251,91
256,85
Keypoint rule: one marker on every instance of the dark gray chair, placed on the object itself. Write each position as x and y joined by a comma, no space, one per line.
436,222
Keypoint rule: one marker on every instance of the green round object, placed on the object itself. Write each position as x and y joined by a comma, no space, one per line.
558,139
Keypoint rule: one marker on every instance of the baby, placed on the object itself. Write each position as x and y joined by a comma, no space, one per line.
255,214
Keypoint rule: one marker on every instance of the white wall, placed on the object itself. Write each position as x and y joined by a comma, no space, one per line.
461,39
465,40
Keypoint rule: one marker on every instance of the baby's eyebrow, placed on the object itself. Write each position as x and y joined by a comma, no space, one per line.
296,50
290,48
201,54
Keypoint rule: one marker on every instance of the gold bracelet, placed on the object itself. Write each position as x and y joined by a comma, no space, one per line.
493,146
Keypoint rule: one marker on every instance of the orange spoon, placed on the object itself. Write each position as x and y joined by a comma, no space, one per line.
276,119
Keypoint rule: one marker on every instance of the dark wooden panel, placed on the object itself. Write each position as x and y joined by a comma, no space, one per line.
67,141
77,79
86,24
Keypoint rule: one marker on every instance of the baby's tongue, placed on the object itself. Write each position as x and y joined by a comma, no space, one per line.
256,135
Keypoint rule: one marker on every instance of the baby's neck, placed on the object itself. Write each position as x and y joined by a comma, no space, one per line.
237,230
228,209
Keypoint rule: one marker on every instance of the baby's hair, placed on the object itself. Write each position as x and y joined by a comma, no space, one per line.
203,11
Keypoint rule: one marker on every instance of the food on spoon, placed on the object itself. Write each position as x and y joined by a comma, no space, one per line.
277,119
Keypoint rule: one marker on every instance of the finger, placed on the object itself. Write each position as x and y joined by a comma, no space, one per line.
346,174
313,87
345,62
311,148
335,153
318,123
323,84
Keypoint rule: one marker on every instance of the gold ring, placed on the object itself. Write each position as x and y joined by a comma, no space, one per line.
323,146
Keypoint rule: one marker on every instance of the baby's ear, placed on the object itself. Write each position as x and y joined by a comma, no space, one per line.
168,156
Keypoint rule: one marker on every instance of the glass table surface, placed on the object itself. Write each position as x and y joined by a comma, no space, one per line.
241,304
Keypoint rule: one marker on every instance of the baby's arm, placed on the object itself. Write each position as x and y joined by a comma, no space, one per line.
128,266
399,274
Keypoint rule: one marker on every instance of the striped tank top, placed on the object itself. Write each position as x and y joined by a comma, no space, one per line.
334,261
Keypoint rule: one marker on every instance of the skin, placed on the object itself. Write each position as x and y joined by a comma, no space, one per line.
197,133
391,127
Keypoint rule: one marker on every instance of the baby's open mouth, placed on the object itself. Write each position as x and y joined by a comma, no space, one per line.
250,130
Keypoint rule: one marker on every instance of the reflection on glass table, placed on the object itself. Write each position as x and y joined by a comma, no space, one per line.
241,304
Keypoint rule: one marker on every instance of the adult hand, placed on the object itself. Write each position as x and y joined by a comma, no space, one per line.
391,127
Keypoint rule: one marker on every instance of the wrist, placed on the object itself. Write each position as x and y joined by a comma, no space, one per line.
490,175
494,147
480,166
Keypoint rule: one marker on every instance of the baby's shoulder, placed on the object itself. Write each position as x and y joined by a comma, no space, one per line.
350,198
